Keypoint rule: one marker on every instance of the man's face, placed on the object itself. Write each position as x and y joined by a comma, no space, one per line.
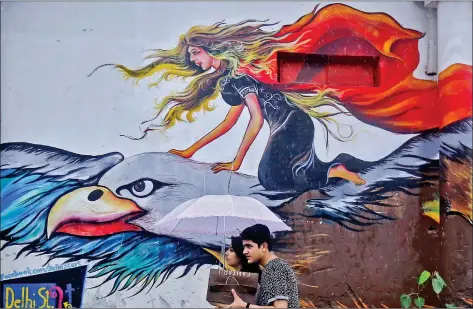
253,252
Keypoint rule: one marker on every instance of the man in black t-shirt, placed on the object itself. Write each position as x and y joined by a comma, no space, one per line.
278,286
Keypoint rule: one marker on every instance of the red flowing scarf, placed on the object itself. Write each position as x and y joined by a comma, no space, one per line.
401,103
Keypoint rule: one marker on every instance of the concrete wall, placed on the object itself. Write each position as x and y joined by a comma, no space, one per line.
352,243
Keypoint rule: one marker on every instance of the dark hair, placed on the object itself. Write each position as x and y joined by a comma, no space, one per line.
258,233
237,246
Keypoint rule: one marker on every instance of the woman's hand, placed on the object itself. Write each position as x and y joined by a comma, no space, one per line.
229,166
232,117
254,126
182,153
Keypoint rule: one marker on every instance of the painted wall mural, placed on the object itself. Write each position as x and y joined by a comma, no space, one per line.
103,209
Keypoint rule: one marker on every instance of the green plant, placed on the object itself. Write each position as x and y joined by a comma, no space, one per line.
437,285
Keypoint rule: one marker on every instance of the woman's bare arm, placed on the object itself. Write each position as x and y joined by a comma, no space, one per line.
230,120
252,131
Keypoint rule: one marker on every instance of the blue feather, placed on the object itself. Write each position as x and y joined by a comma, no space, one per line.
134,257
26,199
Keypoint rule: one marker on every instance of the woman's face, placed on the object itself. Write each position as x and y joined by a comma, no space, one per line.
231,257
200,57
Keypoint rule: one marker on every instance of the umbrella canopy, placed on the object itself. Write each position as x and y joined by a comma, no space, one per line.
219,215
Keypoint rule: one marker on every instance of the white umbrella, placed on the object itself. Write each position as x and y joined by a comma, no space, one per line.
219,215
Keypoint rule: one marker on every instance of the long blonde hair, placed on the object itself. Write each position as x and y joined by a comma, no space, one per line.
244,44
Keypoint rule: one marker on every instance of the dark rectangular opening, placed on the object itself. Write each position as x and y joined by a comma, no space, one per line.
334,70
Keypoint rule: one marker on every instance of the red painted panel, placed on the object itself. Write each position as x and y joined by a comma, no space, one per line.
330,70
350,75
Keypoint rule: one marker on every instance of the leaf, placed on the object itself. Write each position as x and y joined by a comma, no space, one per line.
437,285
420,301
450,306
424,276
437,275
405,301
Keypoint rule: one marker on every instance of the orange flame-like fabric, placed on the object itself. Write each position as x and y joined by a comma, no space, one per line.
401,103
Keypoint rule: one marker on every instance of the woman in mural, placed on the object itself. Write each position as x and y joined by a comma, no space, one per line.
238,61
289,160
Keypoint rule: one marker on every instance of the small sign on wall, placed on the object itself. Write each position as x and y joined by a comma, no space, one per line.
59,289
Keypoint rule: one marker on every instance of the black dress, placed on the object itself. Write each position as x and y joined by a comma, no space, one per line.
289,162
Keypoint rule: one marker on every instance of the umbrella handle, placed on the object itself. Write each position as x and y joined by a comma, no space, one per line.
226,281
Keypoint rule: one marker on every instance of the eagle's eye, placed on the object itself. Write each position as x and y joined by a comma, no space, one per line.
142,187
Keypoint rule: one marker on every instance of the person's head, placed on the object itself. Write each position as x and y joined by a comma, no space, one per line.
202,58
234,46
256,242
234,257
244,44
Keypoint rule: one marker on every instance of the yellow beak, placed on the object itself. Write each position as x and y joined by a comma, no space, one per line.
92,211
